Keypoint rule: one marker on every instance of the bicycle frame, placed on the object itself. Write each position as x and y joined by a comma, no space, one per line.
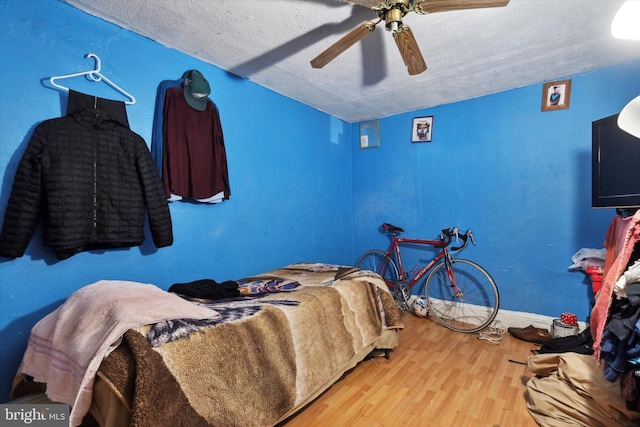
394,253
459,293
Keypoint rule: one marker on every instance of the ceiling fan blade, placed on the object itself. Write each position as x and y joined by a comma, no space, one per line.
409,50
366,3
432,6
343,44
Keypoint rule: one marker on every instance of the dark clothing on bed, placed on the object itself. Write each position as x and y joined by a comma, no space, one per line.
91,179
207,289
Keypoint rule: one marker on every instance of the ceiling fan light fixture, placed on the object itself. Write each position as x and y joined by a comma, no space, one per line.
392,12
625,23
393,19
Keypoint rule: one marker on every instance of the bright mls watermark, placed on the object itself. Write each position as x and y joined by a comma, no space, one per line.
49,415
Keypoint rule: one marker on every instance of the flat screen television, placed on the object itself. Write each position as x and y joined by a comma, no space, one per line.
615,178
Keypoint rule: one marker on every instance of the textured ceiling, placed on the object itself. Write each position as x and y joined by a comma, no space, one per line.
469,53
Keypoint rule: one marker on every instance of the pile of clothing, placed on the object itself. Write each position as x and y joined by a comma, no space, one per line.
602,389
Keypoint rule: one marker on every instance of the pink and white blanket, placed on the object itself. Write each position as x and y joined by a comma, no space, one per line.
67,346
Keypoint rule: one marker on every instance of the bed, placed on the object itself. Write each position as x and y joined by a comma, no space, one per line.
248,360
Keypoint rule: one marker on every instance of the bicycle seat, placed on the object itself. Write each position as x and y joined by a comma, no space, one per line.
392,228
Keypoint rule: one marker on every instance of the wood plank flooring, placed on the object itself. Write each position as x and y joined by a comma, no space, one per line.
435,378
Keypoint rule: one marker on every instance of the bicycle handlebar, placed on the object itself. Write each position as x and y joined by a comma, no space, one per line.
448,234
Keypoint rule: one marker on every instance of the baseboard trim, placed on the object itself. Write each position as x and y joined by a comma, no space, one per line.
521,319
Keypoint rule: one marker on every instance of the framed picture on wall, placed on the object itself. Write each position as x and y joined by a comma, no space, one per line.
422,129
556,95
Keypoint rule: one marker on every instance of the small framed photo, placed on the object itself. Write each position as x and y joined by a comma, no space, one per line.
556,95
422,129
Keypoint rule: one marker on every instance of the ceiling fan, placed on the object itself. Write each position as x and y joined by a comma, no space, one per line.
392,12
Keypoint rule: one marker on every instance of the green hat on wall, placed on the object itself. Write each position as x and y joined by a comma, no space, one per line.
196,89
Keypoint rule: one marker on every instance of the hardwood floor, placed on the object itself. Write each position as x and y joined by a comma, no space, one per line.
435,378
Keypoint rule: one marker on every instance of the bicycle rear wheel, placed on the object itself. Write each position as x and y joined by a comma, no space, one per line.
381,263
474,308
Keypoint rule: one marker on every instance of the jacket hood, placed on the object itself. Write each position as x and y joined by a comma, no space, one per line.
79,101
91,117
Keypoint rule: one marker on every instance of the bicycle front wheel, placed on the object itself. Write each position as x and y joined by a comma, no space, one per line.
464,298
381,263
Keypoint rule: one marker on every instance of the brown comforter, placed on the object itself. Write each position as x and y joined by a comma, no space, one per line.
295,331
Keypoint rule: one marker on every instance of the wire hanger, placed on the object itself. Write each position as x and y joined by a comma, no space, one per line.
95,76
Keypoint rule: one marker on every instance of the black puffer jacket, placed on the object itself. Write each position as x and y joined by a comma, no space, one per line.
91,179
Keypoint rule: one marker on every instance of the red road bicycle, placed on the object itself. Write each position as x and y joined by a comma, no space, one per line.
459,294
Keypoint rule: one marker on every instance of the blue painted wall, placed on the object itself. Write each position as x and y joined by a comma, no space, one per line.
301,187
289,168
518,177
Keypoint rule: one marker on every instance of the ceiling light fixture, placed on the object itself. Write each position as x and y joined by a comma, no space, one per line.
625,23
629,117
625,26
